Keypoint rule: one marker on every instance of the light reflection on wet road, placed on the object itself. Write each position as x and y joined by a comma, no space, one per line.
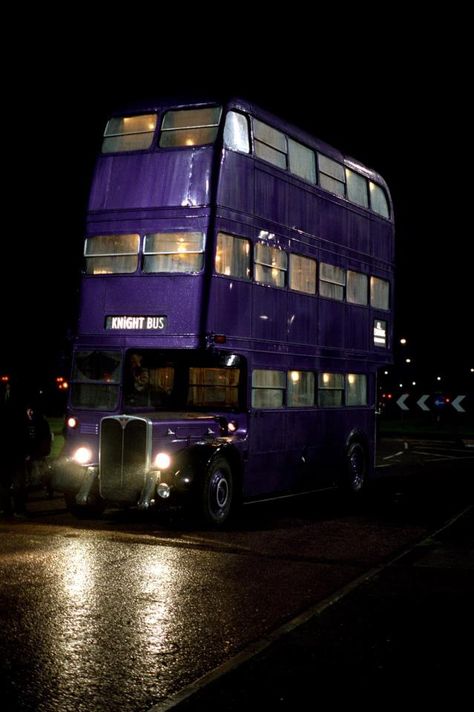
93,624
120,615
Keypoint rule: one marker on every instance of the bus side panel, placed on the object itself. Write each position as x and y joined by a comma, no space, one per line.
236,183
303,212
146,180
266,470
299,450
271,194
358,329
230,307
269,322
331,323
302,318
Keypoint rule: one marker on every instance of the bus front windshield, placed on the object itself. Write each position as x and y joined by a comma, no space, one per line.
183,380
96,380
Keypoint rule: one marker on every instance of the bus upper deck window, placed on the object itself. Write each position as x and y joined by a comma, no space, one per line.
357,188
378,200
112,254
173,252
190,127
236,132
129,133
332,176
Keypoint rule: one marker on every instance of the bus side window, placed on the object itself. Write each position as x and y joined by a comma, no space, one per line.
236,132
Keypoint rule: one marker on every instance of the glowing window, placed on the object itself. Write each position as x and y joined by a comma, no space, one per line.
379,293
331,175
190,127
270,144
232,256
332,281
300,388
236,132
356,389
330,389
378,200
302,274
129,133
302,161
357,287
357,188
270,265
268,388
213,387
173,252
112,254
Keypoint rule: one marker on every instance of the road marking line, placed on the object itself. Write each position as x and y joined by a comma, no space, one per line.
256,647
396,454
433,456
445,449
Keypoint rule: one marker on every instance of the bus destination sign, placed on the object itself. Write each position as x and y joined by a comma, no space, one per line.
135,323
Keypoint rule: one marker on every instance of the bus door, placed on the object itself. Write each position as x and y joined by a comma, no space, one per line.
267,469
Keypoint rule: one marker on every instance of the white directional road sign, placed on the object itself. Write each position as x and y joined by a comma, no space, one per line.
457,404
401,401
422,402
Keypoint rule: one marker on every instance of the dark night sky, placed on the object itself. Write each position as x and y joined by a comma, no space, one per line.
391,105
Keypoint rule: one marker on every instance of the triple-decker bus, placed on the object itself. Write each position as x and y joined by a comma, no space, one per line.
236,304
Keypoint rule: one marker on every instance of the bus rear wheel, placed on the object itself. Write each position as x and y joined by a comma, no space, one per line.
217,492
356,468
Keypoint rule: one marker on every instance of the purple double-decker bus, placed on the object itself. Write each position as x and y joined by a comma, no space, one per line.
236,304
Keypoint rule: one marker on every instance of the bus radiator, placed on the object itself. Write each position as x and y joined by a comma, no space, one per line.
123,458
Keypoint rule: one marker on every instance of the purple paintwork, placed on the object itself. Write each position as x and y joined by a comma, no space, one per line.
212,189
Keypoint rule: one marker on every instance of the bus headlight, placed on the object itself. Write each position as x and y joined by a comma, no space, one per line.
162,461
163,490
83,456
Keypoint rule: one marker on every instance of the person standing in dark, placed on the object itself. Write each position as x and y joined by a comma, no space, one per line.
12,451
37,443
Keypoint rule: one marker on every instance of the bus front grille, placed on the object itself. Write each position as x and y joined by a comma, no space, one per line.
123,458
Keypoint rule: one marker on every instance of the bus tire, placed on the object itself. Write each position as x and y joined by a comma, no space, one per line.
93,510
217,492
355,480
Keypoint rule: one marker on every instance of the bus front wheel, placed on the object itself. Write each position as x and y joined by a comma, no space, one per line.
356,468
93,510
217,492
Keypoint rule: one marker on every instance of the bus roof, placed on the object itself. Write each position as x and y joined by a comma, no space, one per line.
163,104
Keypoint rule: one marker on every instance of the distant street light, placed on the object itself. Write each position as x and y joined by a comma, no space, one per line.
408,360
438,378
403,341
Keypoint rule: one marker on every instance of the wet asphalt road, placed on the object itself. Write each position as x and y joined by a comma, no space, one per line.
120,614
